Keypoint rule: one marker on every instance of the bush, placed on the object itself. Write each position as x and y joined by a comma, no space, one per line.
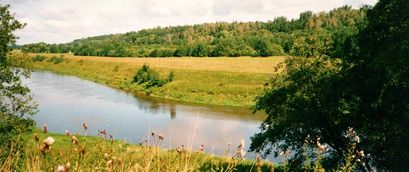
171,76
56,59
38,58
151,78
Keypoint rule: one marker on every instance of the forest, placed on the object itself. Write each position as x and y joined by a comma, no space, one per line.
324,33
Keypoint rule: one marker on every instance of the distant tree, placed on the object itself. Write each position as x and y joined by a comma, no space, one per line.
315,43
181,50
220,39
199,50
265,48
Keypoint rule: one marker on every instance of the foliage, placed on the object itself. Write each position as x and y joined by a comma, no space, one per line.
38,58
15,100
224,39
379,80
302,102
56,60
364,95
150,78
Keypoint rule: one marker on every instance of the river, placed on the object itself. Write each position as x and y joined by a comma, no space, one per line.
66,102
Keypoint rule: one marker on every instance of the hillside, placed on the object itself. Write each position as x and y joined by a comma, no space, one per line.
308,35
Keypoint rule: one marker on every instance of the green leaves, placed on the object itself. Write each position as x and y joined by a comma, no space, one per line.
151,78
309,35
15,99
367,90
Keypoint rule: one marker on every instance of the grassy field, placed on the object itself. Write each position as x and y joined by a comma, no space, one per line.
85,153
213,81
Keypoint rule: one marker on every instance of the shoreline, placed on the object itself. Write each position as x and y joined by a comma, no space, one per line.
197,87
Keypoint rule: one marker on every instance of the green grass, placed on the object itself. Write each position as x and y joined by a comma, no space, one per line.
213,81
100,154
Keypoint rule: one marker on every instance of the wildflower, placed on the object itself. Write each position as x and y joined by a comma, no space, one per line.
321,147
110,164
112,138
49,141
67,167
258,163
85,125
228,148
60,168
47,144
74,140
119,161
160,136
82,150
201,148
45,129
103,133
67,133
361,153
36,138
242,142
240,150
357,139
106,156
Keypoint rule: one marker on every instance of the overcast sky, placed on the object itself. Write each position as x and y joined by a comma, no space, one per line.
59,21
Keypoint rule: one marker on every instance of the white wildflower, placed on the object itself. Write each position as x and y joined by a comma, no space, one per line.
49,141
60,168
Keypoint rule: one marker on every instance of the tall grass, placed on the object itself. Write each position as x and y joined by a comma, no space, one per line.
55,152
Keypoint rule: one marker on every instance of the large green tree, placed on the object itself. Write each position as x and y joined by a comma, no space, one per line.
364,94
15,98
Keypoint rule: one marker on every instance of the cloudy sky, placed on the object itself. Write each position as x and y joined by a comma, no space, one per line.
59,21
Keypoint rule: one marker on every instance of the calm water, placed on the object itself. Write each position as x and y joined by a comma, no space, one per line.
65,102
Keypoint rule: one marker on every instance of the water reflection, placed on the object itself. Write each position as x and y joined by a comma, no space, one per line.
66,102
172,112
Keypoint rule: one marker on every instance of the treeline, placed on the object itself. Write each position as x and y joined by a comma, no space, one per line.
310,34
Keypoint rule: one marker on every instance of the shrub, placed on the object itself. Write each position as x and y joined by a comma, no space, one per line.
151,78
38,58
56,59
171,76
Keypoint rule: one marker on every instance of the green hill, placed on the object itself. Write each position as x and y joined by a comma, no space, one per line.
310,34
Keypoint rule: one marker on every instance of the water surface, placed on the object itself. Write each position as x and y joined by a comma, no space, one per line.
65,102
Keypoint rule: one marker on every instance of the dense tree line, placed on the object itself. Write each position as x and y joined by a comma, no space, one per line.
310,34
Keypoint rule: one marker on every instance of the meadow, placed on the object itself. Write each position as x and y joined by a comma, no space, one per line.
213,81
78,152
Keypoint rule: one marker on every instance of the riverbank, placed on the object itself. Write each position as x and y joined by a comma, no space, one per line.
211,81
89,153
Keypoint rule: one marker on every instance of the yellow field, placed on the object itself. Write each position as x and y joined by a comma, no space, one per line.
227,64
214,81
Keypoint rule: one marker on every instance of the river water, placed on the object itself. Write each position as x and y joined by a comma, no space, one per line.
66,102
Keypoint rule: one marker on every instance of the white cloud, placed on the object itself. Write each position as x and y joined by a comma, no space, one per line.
62,21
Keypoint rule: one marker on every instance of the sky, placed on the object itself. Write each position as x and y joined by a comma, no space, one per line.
60,21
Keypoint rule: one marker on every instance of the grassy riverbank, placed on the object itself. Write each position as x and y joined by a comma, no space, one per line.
104,154
213,81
